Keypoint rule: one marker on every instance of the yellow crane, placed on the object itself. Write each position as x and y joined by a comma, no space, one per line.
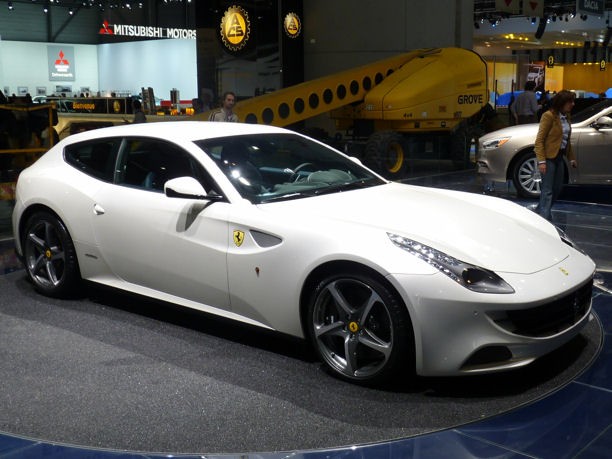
391,102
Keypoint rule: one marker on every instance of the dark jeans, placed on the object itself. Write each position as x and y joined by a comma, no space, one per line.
552,183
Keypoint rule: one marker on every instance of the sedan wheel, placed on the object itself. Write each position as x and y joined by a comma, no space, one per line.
526,177
49,254
360,329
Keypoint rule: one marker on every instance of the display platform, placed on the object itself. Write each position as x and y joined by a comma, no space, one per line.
139,378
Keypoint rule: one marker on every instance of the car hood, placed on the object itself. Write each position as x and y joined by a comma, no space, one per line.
489,232
521,130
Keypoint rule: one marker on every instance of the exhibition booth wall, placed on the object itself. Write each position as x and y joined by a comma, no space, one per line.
164,65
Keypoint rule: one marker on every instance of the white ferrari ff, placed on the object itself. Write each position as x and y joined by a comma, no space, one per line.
271,228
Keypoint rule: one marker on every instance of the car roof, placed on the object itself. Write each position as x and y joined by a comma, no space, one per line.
177,130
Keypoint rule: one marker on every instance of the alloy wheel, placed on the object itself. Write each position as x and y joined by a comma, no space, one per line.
353,328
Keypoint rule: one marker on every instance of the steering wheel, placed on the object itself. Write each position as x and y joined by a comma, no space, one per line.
295,175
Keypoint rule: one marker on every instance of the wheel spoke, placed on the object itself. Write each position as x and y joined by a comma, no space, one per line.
339,299
51,274
527,176
56,253
38,264
350,354
373,342
364,311
333,329
48,234
38,242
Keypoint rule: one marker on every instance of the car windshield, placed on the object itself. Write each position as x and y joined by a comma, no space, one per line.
273,167
588,112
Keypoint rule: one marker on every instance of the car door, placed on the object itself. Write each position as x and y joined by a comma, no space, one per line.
594,155
174,246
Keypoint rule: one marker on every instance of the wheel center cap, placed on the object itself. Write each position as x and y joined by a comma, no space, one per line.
353,326
48,254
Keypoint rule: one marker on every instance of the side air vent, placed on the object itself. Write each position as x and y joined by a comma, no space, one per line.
265,239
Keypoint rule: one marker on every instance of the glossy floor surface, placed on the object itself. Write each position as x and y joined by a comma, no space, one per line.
568,418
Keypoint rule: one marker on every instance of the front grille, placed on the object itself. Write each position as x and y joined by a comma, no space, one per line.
551,318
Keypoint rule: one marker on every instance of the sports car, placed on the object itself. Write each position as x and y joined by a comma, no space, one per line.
271,228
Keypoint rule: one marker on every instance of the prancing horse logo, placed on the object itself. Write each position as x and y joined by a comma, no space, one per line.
238,237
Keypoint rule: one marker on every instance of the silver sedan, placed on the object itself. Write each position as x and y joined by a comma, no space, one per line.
507,154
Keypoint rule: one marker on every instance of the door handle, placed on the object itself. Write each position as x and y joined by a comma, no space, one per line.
98,210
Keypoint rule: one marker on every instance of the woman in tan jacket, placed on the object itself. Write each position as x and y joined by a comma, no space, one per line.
551,145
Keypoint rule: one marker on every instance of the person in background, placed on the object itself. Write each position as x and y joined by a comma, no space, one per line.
226,112
552,144
525,107
139,115
198,105
206,100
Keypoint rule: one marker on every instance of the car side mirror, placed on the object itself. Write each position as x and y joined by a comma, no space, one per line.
189,188
603,122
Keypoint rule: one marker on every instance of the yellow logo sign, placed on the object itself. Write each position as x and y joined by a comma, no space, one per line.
551,61
564,271
292,25
602,65
238,237
235,28
354,327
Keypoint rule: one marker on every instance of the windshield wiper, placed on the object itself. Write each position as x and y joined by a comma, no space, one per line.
331,188
287,197
346,186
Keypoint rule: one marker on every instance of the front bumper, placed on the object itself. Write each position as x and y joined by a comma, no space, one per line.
492,164
462,332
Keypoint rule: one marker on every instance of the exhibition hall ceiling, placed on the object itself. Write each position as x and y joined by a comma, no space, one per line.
562,27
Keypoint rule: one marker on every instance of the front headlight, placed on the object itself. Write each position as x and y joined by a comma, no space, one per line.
469,276
494,143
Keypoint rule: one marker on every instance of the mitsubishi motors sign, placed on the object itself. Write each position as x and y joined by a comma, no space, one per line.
135,31
61,63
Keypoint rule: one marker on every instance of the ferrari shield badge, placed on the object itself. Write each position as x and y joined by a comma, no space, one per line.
238,237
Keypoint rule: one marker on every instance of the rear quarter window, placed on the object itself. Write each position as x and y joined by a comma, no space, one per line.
95,158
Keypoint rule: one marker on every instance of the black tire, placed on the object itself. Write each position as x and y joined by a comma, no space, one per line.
356,315
386,152
525,176
49,255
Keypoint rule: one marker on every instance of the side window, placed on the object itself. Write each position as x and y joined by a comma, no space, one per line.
96,158
150,163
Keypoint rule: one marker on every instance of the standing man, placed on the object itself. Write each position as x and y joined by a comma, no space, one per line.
525,107
226,113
